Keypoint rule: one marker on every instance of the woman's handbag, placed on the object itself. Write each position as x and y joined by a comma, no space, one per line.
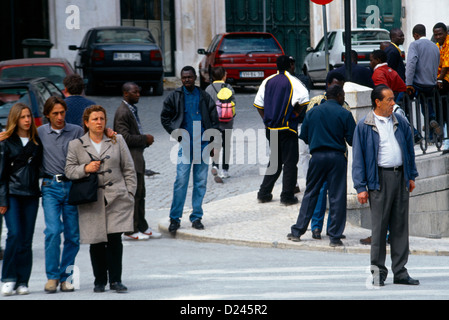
84,190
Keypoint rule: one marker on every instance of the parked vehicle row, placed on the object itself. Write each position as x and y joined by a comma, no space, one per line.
114,55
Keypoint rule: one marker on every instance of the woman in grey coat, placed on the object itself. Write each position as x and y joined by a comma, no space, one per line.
103,222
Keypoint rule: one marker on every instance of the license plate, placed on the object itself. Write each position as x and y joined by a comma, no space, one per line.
251,74
131,56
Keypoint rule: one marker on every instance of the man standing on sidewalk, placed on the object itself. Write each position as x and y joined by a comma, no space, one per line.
59,215
193,111
278,101
127,123
326,129
384,171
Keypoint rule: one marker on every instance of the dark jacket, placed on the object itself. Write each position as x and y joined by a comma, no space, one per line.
125,124
172,113
20,168
328,126
365,148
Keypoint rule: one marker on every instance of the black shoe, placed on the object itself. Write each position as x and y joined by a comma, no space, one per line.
150,173
118,287
316,234
336,243
264,199
297,190
197,224
407,280
99,288
174,225
378,282
290,201
445,151
293,238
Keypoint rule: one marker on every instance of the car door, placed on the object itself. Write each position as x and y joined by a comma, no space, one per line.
83,55
317,63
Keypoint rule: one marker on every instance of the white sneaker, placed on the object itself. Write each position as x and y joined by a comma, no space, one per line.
214,170
23,290
8,288
137,236
152,234
224,174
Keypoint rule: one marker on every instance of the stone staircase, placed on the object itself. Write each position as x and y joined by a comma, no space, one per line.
429,202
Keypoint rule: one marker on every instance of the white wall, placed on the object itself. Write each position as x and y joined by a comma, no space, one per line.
196,22
64,26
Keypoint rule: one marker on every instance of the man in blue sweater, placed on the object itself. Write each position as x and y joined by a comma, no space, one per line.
76,103
326,129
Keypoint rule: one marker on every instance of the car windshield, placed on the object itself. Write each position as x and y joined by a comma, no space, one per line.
55,73
248,44
368,37
11,96
124,36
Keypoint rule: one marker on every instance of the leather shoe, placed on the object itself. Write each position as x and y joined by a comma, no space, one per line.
174,225
118,287
99,288
316,234
289,201
265,198
293,238
407,280
197,224
336,243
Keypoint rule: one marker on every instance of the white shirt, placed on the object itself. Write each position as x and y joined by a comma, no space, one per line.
97,146
390,153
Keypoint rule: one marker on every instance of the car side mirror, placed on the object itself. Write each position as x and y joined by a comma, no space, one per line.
201,51
310,49
73,48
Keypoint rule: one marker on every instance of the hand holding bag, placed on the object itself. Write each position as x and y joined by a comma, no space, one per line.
84,190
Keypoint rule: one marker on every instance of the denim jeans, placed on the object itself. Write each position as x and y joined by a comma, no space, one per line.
54,202
320,210
20,220
199,169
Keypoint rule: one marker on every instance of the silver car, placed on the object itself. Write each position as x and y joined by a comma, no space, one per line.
363,41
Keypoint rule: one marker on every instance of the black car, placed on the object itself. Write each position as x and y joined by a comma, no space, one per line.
114,55
32,92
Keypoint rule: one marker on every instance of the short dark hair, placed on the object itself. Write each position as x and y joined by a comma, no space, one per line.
335,75
51,102
334,91
283,63
187,69
377,93
440,25
380,54
218,73
74,84
419,29
127,86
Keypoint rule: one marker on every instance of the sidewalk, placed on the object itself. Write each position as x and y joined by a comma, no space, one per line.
242,220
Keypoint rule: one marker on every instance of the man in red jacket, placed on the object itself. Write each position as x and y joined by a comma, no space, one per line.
383,74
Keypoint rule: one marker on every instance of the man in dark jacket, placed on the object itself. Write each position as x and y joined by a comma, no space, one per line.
127,123
384,171
326,129
186,115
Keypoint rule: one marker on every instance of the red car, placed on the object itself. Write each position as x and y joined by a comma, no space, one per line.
54,69
248,57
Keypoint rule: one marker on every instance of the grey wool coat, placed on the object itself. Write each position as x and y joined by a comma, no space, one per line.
113,211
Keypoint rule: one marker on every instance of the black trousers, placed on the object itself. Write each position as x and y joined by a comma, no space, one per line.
106,257
284,157
140,224
330,166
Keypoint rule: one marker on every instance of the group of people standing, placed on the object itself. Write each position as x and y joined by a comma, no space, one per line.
73,144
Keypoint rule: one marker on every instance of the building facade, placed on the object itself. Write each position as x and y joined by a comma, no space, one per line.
183,26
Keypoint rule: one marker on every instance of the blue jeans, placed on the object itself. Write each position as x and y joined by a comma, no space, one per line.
54,202
199,170
320,210
20,220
